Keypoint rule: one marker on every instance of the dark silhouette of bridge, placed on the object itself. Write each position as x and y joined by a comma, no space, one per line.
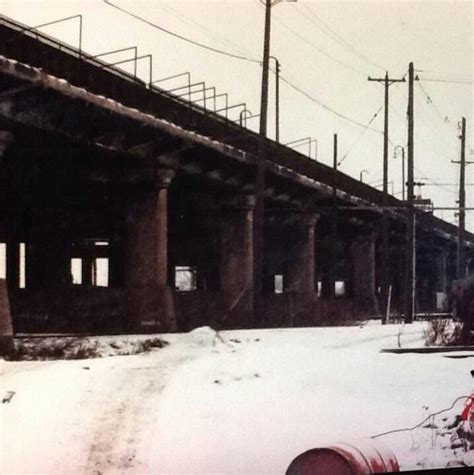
102,174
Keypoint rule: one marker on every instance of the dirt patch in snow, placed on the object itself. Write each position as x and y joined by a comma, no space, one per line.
76,348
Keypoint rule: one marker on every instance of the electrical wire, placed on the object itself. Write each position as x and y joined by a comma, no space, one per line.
356,141
319,49
181,37
453,81
197,25
405,429
433,183
430,101
326,107
449,184
446,75
215,50
324,28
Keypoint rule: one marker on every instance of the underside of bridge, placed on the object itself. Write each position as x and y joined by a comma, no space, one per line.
117,220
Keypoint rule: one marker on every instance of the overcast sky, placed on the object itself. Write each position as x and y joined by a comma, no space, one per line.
327,49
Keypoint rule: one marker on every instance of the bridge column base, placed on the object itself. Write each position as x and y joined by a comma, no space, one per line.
363,265
236,258
151,309
301,258
150,299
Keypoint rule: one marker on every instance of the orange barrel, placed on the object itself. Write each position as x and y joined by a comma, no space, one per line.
346,458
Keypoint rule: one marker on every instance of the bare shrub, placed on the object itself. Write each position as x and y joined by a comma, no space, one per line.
443,332
68,348
150,344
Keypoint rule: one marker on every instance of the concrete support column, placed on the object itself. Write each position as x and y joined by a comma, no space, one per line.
363,266
151,303
48,251
236,257
301,258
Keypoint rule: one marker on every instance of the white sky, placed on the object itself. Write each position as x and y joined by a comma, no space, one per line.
436,36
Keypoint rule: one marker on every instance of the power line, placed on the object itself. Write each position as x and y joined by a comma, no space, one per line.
429,100
215,50
356,141
183,38
446,75
323,27
324,106
454,81
449,184
215,35
318,49
433,183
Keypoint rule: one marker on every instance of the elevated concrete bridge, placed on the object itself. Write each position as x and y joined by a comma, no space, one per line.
97,169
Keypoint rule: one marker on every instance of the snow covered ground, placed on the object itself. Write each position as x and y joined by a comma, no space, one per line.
234,402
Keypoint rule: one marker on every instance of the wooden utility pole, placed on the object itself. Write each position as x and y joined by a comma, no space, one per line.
333,244
461,252
384,280
410,273
258,307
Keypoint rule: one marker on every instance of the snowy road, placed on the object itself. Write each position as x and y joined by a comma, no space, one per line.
244,402
88,416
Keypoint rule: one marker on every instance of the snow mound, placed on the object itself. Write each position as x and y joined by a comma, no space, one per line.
204,337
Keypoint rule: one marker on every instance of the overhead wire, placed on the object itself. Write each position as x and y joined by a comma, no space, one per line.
326,107
425,177
452,81
197,25
327,30
430,101
446,75
181,37
244,58
319,49
284,79
356,141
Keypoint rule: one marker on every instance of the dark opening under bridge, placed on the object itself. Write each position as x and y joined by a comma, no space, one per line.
102,173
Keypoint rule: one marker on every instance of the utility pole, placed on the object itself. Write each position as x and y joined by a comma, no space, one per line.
410,274
461,252
277,98
258,307
333,246
384,281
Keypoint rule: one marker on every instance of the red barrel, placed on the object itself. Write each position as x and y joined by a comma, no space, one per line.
346,458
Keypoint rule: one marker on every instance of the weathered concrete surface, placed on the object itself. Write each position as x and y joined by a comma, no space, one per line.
151,303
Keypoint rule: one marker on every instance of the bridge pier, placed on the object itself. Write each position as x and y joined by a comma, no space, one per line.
301,257
236,258
149,297
363,281
48,250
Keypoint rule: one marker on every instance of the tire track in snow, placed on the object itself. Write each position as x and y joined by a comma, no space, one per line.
126,415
